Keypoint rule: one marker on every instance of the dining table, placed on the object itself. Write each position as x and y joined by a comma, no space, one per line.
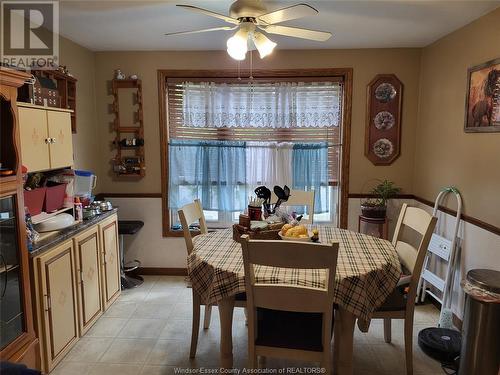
368,269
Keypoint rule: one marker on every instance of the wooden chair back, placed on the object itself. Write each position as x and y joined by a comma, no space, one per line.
287,297
410,257
302,198
189,214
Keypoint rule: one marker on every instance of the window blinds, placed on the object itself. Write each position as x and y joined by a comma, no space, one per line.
260,110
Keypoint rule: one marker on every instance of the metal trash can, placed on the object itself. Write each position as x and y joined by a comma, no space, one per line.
480,352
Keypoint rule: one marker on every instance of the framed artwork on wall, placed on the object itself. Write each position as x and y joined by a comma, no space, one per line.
482,105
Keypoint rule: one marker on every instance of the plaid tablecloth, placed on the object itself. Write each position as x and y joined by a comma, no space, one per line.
367,269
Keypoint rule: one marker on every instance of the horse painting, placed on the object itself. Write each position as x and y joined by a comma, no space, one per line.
483,99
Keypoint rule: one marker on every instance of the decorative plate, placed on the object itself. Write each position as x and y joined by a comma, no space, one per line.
384,120
383,148
385,92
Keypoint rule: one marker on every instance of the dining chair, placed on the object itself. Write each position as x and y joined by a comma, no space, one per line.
189,214
286,320
302,198
401,302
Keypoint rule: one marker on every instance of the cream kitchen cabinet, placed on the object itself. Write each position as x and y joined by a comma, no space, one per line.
46,138
56,303
110,265
75,282
88,273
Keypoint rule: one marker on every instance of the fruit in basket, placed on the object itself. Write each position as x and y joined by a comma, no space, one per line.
296,231
285,229
315,236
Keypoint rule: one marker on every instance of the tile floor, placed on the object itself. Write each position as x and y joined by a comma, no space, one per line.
147,332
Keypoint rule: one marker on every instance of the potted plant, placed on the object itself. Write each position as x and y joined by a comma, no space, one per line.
377,207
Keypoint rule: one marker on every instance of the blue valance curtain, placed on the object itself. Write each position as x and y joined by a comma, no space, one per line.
218,172
310,172
213,171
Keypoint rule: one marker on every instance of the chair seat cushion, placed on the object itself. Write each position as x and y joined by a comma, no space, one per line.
291,330
396,301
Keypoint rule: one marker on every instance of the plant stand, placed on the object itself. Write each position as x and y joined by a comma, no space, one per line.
373,226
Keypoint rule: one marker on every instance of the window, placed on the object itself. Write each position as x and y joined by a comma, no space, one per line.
226,137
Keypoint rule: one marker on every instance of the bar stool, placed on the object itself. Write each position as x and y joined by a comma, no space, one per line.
129,227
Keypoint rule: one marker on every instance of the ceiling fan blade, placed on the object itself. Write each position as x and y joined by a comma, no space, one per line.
296,32
289,13
202,30
210,13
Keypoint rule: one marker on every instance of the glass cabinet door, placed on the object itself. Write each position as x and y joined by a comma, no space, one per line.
11,307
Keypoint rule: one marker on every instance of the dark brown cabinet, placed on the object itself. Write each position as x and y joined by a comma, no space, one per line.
11,309
18,342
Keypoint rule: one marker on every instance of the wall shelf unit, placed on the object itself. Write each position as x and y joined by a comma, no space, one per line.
129,159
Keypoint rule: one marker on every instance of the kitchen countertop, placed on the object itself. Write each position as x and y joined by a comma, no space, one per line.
62,235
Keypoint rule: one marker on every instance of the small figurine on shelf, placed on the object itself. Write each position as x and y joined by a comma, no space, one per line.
127,142
133,76
119,74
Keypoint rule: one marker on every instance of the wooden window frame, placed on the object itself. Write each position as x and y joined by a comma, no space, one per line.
344,73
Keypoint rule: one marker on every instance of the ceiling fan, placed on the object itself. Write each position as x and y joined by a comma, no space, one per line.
252,20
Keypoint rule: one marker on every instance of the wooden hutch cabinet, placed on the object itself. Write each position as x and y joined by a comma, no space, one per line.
18,342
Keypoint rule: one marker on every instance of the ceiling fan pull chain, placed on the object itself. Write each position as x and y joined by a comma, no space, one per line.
239,70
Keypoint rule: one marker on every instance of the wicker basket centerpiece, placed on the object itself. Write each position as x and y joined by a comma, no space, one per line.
269,233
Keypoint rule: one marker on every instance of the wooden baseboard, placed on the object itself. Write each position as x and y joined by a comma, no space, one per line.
362,196
469,219
161,271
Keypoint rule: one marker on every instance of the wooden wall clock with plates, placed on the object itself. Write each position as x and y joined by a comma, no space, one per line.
383,119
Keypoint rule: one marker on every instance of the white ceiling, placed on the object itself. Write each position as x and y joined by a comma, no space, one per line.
141,25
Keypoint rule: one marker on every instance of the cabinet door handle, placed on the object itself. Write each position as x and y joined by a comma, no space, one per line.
53,140
47,140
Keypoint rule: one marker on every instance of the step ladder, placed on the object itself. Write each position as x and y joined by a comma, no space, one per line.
446,250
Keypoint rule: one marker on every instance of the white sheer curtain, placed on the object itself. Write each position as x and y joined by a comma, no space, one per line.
262,105
269,163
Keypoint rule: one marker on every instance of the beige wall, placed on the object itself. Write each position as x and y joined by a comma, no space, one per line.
445,154
405,63
81,63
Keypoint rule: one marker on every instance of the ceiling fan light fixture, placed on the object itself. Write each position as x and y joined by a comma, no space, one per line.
264,45
237,45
